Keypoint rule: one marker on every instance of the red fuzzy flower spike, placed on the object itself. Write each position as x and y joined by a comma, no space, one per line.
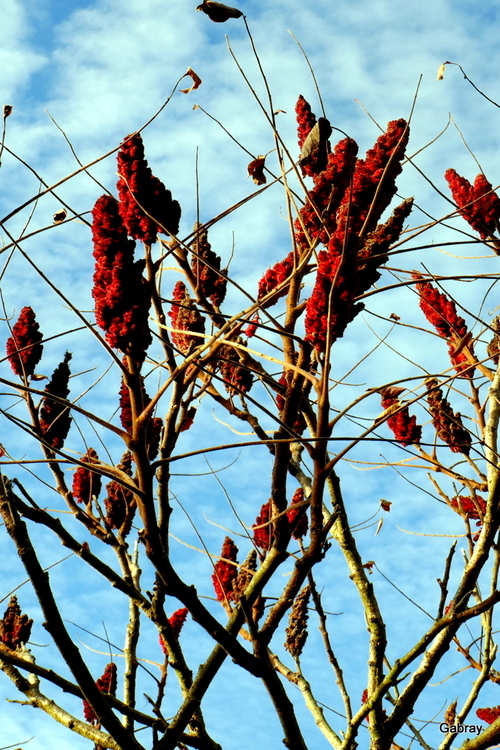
373,254
237,379
86,483
224,572
441,312
489,715
374,177
472,507
120,502
263,535
275,277
448,424
55,417
252,327
146,206
297,516
340,276
107,683
405,428
15,628
176,621
121,294
306,119
318,217
185,319
212,284
24,349
331,305
478,204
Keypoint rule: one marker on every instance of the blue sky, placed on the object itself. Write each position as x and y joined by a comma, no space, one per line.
101,69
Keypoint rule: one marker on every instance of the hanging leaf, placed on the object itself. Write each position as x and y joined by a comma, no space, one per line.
316,143
256,170
196,81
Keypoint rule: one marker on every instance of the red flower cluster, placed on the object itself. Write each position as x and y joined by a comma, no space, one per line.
212,284
319,214
15,628
441,312
185,319
154,426
120,502
263,537
297,516
252,326
224,572
107,683
331,305
348,266
146,206
55,417
489,715
478,204
121,294
24,349
306,119
448,423
405,428
176,621
237,379
273,278
86,483
473,507
373,254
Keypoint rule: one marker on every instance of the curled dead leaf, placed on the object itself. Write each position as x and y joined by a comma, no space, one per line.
60,216
316,142
196,82
256,170
188,419
440,73
218,12
386,505
7,109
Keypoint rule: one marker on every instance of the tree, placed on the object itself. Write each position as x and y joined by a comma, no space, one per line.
272,362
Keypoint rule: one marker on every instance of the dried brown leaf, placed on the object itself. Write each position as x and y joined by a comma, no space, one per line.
196,82
218,12
256,170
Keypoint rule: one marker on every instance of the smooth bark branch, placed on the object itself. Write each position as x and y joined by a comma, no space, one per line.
54,624
39,700
375,624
